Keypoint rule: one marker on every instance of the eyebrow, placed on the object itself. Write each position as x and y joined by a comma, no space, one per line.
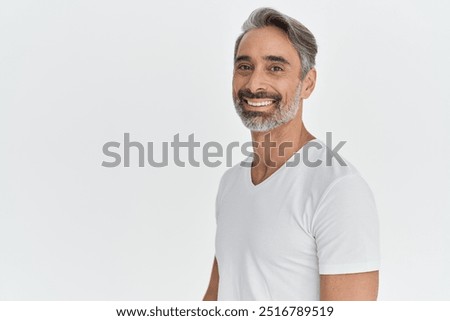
277,59
268,58
242,58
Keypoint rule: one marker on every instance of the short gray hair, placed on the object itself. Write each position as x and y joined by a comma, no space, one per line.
301,38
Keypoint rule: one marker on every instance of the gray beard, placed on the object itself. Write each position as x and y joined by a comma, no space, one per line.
261,121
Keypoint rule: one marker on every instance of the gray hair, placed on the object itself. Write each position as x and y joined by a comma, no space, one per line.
301,38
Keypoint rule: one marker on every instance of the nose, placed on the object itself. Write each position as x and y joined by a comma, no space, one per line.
257,81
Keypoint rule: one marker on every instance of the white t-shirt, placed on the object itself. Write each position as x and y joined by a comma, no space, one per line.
274,239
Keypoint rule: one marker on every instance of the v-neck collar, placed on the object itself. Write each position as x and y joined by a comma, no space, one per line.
248,170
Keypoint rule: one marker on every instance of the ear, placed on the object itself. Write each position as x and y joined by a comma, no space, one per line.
309,82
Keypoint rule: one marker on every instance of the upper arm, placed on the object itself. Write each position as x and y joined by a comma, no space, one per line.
213,287
349,287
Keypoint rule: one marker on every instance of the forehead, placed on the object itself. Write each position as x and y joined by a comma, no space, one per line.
267,41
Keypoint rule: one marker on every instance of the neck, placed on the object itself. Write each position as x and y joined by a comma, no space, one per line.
273,148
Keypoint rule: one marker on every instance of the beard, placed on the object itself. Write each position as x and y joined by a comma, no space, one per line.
265,121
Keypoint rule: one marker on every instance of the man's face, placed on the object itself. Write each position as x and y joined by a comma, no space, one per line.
266,79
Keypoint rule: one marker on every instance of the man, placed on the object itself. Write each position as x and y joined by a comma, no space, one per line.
288,230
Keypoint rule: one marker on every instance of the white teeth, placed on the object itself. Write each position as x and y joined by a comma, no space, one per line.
258,104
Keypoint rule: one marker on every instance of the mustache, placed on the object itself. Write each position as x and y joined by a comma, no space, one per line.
246,93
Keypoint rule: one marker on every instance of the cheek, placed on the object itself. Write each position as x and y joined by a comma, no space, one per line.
237,82
286,94
236,86
289,91
234,90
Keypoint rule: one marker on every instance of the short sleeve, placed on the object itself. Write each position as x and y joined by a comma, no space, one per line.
217,205
218,198
346,228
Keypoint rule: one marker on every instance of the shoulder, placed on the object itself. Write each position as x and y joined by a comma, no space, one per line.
337,187
233,175
324,179
234,171
319,166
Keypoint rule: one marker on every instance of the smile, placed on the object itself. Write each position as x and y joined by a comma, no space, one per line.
258,103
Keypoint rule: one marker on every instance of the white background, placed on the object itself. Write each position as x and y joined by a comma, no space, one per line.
77,74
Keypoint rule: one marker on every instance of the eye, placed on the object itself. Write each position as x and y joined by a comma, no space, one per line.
244,67
276,68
